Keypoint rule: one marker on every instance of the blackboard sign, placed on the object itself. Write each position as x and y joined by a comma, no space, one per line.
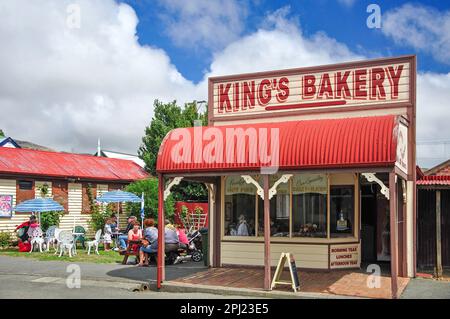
294,272
295,282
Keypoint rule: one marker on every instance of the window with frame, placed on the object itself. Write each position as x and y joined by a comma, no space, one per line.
240,207
342,211
24,191
309,205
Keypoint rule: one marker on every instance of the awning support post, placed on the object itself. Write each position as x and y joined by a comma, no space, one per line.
393,230
267,274
160,275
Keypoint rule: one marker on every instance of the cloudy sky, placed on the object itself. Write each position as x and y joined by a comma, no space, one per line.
65,82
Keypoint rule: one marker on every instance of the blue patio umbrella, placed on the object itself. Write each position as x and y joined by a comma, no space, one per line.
119,197
38,205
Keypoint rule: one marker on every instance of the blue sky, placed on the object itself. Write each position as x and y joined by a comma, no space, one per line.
344,21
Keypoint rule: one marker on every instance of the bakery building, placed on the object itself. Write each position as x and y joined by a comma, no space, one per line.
317,161
67,178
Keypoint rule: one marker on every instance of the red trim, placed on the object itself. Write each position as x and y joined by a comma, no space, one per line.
160,266
305,105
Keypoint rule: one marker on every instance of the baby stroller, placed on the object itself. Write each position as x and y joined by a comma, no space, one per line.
195,246
192,251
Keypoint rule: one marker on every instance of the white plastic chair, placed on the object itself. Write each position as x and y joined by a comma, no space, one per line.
95,242
57,232
65,242
36,238
50,237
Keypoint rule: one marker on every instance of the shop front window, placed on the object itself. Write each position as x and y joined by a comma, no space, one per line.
279,216
342,202
240,207
309,205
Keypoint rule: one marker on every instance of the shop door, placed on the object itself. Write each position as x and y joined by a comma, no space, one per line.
368,223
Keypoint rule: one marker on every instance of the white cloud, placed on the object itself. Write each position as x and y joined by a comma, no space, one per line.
208,24
64,88
279,44
422,28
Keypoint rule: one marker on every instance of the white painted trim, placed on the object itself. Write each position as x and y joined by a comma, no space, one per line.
372,178
173,182
249,180
283,179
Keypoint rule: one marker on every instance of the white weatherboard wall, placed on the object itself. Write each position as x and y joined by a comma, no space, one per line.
8,187
252,254
75,204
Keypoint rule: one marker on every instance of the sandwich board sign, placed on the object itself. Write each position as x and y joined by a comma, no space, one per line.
295,283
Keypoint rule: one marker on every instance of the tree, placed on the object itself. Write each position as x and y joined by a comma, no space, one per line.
150,189
186,191
167,116
1,132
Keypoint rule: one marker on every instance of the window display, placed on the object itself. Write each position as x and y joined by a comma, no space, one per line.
342,211
240,207
279,216
309,205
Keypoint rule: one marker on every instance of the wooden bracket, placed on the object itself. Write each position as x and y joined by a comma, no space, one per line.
283,179
372,178
249,180
174,181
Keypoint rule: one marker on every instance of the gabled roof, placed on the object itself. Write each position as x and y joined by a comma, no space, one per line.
438,168
310,144
15,161
125,156
6,140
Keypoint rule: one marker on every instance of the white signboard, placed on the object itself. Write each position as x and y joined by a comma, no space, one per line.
373,83
345,256
402,148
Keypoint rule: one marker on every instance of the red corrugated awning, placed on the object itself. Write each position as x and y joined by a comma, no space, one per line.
15,161
310,144
434,180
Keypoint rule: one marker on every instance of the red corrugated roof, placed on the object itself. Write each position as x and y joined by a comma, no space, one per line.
349,142
440,180
17,161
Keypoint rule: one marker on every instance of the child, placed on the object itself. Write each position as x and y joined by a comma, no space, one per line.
107,240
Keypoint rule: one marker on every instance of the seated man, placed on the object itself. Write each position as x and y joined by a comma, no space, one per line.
123,239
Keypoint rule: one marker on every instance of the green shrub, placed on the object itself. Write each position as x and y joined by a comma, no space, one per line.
5,239
150,189
50,219
99,213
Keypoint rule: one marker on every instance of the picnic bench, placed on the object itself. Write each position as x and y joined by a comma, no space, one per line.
129,251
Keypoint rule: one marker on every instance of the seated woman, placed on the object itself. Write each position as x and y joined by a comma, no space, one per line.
135,234
149,242
22,233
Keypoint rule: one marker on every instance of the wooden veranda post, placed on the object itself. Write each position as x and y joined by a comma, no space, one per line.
160,270
267,279
393,230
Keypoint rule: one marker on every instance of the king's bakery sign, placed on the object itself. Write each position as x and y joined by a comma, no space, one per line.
366,84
